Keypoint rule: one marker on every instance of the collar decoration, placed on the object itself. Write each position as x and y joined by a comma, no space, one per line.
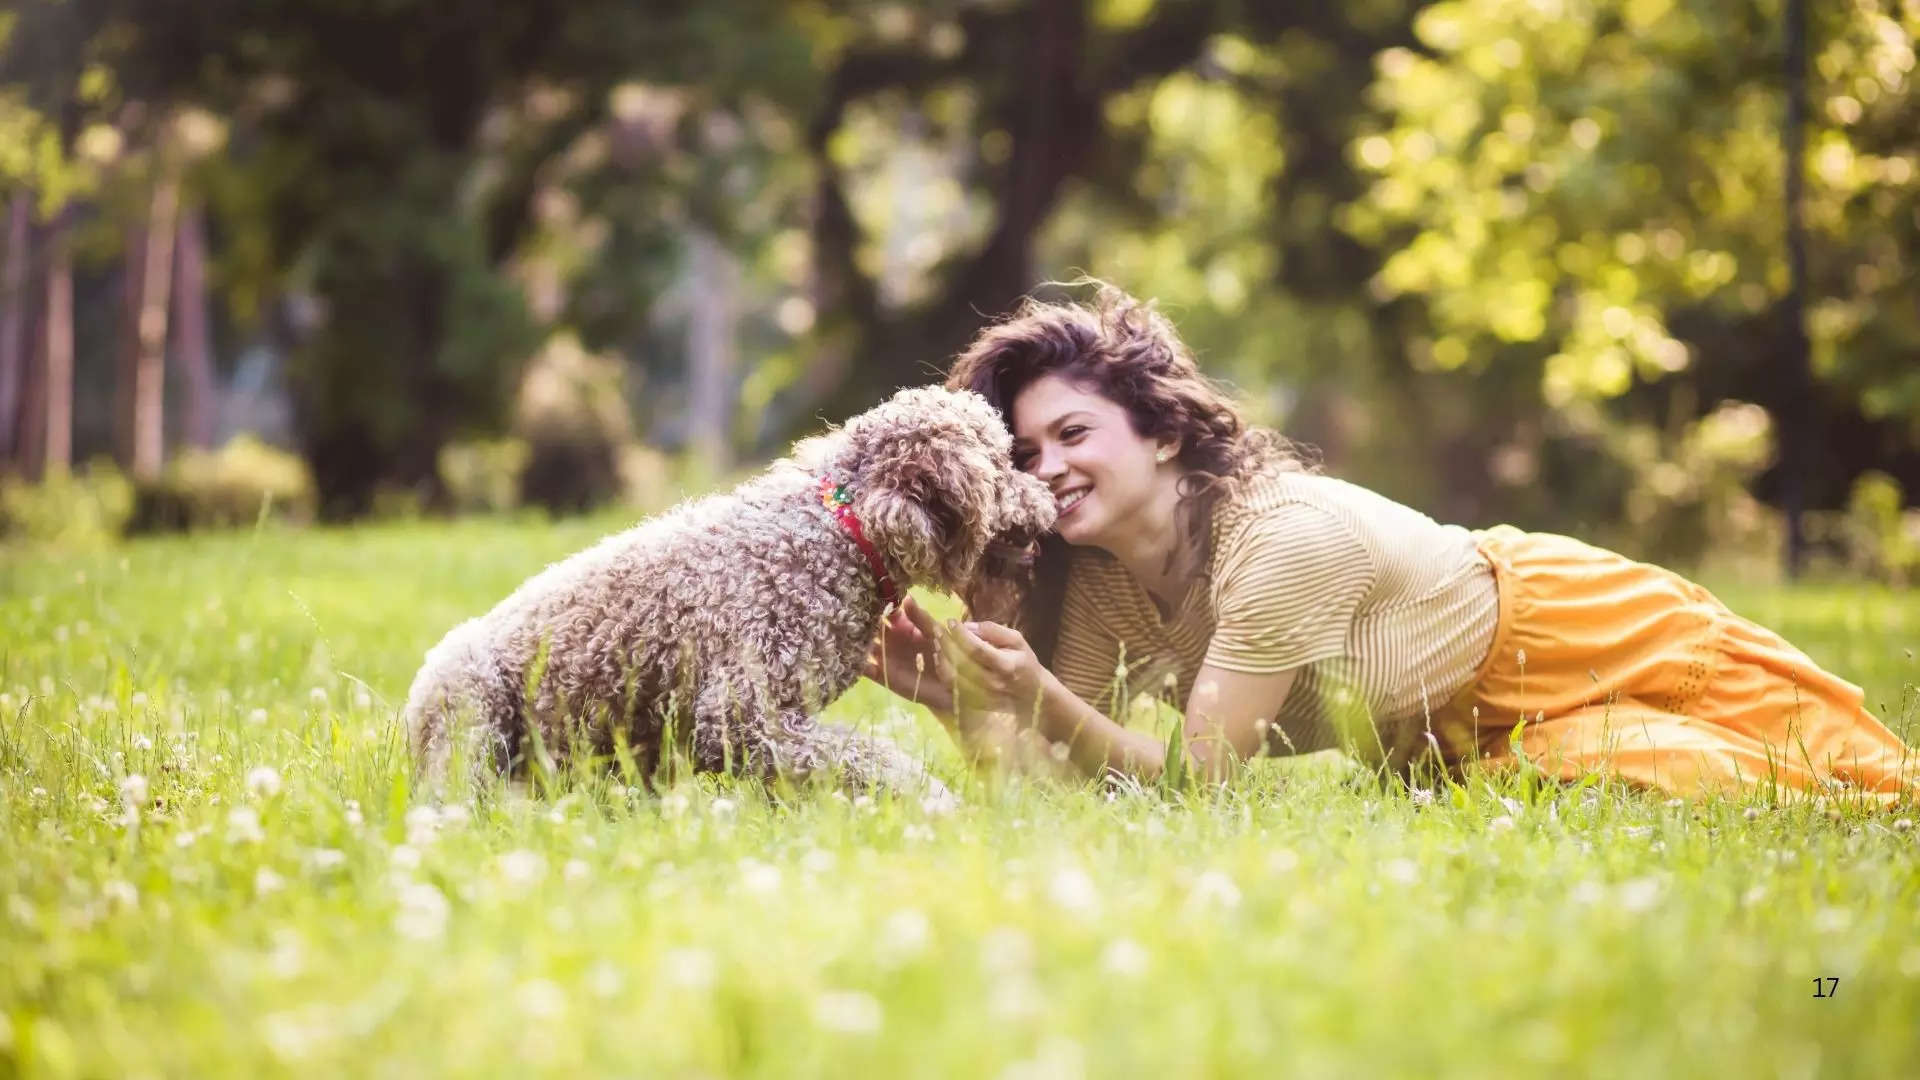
839,503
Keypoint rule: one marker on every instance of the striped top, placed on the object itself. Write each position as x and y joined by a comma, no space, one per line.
1387,613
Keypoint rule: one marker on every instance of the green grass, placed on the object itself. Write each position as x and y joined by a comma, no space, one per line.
277,902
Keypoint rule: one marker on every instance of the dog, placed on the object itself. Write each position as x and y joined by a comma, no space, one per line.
726,624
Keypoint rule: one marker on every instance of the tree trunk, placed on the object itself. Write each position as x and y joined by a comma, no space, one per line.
142,387
54,458
192,351
14,304
712,358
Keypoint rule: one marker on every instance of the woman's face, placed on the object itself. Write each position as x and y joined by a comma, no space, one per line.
1082,445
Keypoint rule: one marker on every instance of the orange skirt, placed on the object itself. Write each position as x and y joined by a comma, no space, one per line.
1630,670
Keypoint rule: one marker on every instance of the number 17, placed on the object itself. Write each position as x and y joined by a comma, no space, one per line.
1826,988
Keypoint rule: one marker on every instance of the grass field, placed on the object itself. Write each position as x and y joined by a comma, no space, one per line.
211,865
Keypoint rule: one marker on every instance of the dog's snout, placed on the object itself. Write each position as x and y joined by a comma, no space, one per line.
1036,508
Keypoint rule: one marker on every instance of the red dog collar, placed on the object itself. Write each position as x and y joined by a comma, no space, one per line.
840,504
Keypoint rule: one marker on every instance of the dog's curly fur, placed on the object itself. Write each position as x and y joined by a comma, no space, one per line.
732,619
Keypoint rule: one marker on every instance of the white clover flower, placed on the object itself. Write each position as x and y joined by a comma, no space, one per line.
326,860
133,791
1638,895
1073,890
423,912
257,717
904,934
576,871
722,808
1283,861
138,700
541,999
1125,957
404,857
1401,871
673,804
1753,896
817,861
263,781
522,868
120,894
1214,889
1588,892
1832,920
142,742
1005,949
849,1012
317,697
362,700
1015,996
1422,796
694,969
243,826
352,807
917,834
295,1034
454,815
759,877
1500,824
605,980
422,823
266,882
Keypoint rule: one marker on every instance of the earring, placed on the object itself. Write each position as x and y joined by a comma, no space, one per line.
1163,455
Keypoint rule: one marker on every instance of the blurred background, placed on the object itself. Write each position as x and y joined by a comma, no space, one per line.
1643,270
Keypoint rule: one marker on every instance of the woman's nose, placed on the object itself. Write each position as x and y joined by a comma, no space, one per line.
1047,463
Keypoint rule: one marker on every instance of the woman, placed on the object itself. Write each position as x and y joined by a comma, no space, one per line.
1289,611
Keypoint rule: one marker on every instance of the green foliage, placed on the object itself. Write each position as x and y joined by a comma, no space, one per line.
244,482
483,475
217,864
1600,181
86,509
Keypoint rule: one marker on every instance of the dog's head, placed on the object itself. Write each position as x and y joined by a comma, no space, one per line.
935,487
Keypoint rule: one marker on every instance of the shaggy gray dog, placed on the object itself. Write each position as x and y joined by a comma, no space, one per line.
729,621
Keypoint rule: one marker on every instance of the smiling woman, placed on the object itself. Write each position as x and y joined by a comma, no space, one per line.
1290,611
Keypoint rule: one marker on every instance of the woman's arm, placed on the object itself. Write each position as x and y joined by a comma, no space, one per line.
1226,719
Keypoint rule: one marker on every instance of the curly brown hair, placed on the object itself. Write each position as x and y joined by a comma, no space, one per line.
1128,352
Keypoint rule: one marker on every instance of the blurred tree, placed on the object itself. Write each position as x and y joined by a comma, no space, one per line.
1588,192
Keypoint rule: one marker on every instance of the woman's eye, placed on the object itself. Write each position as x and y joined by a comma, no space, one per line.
1072,431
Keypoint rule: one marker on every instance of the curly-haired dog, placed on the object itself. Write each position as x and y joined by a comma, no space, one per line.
732,619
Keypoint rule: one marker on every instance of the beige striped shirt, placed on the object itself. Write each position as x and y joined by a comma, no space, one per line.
1386,613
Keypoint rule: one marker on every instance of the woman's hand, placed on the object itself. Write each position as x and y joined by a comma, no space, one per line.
906,660
993,668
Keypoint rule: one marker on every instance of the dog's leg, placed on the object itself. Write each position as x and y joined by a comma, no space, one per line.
860,761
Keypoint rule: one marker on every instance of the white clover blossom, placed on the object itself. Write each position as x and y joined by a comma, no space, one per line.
243,825
759,877
263,781
1214,889
423,912
1125,957
1639,895
694,969
133,791
1073,890
522,868
849,1012
904,934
